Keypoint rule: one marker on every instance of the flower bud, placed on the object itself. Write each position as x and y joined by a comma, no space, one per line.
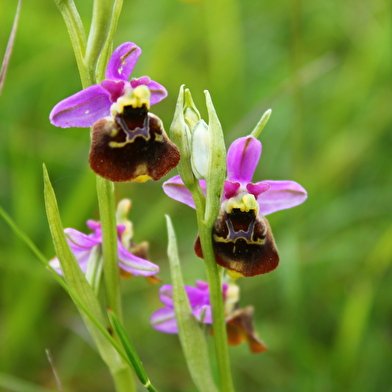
191,114
181,136
201,149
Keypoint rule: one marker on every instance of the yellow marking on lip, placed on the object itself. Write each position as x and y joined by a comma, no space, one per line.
142,178
245,203
137,98
259,241
234,274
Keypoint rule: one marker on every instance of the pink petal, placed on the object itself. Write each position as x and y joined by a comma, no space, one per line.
82,109
82,257
242,158
202,285
55,264
114,88
135,265
195,295
176,189
164,320
203,314
166,294
280,196
158,92
93,225
256,189
231,189
80,239
123,61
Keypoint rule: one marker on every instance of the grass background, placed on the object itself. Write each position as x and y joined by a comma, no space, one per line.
325,70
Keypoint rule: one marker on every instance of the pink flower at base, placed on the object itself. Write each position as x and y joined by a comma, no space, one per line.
239,321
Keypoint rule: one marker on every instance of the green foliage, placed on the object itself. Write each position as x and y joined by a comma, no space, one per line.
193,341
324,70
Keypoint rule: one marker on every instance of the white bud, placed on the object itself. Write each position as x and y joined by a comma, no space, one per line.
201,149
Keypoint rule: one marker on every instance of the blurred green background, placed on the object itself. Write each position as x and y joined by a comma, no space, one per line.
324,67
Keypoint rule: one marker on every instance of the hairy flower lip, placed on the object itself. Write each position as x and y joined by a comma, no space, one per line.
132,149
245,253
87,106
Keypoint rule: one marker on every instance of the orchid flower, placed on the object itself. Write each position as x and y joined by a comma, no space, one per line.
131,257
243,241
128,142
239,323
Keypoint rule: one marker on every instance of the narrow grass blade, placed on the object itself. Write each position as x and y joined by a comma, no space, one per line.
76,280
192,338
9,48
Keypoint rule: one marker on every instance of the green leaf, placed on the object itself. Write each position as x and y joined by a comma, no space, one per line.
76,280
130,351
192,338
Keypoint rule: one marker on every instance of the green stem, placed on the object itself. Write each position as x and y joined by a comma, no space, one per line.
216,297
107,212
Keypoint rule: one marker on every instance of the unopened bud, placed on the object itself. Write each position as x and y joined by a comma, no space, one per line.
181,136
191,114
201,149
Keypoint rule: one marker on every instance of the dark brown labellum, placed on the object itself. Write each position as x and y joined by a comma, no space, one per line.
133,146
243,243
